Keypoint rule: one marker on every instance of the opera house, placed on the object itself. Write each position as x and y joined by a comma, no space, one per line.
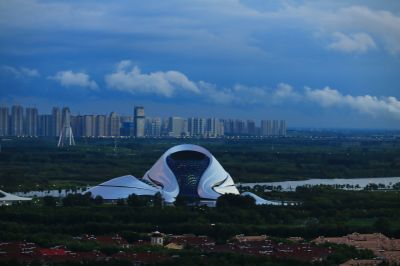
185,170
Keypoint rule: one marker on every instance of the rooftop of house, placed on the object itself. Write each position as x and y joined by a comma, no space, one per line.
355,262
243,238
191,240
381,245
116,239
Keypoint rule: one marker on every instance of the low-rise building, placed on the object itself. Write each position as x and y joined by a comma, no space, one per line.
381,245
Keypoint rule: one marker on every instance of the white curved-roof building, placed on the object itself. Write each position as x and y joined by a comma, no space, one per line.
7,198
192,171
186,170
260,201
121,187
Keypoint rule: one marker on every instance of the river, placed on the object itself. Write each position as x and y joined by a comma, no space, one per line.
350,184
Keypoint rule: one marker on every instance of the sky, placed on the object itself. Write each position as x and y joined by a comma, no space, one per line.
320,64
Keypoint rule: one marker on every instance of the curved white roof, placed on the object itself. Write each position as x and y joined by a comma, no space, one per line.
4,196
259,200
214,180
121,187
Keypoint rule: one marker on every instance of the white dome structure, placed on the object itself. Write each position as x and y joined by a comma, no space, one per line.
186,170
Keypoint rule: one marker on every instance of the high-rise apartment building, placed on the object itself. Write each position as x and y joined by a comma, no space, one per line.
101,126
251,127
214,128
4,121
88,126
17,120
282,128
240,127
31,122
229,126
139,121
77,125
127,129
153,127
125,118
177,127
165,126
114,125
275,128
266,128
45,125
56,121
197,126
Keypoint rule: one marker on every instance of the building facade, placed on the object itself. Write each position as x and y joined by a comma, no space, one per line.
177,127
56,121
31,122
186,170
17,120
4,121
114,125
45,125
139,117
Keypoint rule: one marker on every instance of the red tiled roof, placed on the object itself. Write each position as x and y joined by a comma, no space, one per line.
52,252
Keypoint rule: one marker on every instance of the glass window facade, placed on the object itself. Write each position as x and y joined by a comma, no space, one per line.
188,167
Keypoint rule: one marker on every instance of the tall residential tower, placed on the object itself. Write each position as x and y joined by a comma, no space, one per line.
139,121
56,121
17,120
31,122
4,121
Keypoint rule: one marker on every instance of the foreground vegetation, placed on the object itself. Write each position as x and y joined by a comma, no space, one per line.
324,211
219,259
29,164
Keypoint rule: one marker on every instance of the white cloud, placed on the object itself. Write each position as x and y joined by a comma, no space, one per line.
214,94
20,72
284,94
130,79
325,97
359,42
30,72
231,25
284,90
69,78
367,104
244,95
124,64
382,24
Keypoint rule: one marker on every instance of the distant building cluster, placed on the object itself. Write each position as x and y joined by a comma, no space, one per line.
15,121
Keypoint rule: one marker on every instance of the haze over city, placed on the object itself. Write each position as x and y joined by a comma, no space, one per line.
313,64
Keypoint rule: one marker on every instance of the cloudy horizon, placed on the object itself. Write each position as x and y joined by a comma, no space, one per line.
325,64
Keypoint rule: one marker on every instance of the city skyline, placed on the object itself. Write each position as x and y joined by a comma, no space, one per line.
65,124
314,64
